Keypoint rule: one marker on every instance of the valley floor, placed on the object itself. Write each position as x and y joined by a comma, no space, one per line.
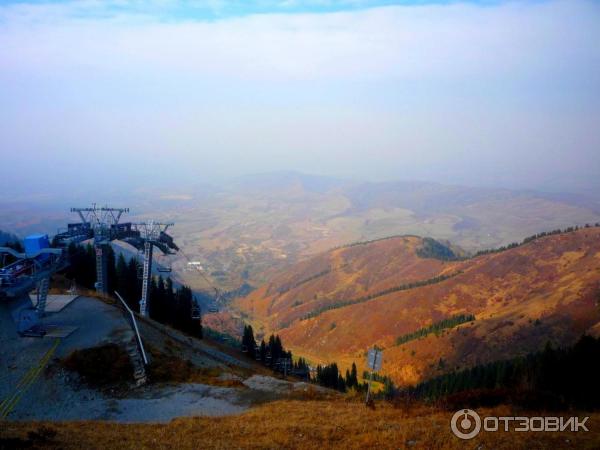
333,423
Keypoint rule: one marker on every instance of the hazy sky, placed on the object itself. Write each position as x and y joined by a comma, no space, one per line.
479,93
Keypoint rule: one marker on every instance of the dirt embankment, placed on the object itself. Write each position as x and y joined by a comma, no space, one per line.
80,381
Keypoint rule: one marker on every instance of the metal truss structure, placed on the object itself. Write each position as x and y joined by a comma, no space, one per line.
102,225
145,236
29,271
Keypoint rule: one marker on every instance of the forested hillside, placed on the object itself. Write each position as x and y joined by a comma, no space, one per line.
422,304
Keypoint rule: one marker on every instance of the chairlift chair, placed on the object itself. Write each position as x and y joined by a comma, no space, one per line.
73,289
164,268
214,308
196,312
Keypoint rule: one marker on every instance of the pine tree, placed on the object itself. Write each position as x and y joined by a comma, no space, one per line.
271,351
341,385
389,390
151,296
248,342
354,376
122,277
169,302
158,300
277,351
133,289
263,351
111,272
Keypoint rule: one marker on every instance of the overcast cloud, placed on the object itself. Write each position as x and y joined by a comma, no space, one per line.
504,94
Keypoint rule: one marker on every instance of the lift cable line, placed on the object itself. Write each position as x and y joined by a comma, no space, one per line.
196,305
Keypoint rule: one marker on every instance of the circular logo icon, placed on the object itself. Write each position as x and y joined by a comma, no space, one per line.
465,424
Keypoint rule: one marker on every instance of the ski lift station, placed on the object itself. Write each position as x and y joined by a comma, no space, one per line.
32,269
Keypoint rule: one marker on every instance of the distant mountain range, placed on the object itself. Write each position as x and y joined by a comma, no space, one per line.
258,224
247,229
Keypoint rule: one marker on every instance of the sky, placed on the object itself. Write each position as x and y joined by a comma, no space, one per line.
129,93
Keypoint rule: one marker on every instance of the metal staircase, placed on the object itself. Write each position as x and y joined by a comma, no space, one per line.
135,346
135,356
146,278
101,266
42,295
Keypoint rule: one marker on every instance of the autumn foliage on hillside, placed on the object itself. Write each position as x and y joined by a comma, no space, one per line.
543,289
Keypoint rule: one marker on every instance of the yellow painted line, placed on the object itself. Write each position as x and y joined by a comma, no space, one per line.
20,391
26,381
21,382
9,403
29,378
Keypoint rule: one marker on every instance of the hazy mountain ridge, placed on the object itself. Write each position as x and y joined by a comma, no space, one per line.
246,230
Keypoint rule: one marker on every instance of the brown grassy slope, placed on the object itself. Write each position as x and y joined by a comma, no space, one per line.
545,290
223,321
341,274
297,424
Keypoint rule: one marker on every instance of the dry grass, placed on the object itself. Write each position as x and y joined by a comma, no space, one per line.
109,366
293,424
551,282
172,369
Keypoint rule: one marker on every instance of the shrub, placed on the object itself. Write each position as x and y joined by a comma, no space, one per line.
100,366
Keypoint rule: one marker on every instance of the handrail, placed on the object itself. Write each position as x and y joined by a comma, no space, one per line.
51,251
137,333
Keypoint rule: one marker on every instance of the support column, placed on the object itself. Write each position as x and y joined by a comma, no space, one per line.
101,267
146,278
42,295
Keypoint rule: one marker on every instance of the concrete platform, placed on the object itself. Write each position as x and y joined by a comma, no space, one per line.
54,303
59,331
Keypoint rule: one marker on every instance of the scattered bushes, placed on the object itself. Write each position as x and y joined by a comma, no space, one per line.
101,366
165,368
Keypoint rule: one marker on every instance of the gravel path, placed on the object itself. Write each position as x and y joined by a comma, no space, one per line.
59,400
176,401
